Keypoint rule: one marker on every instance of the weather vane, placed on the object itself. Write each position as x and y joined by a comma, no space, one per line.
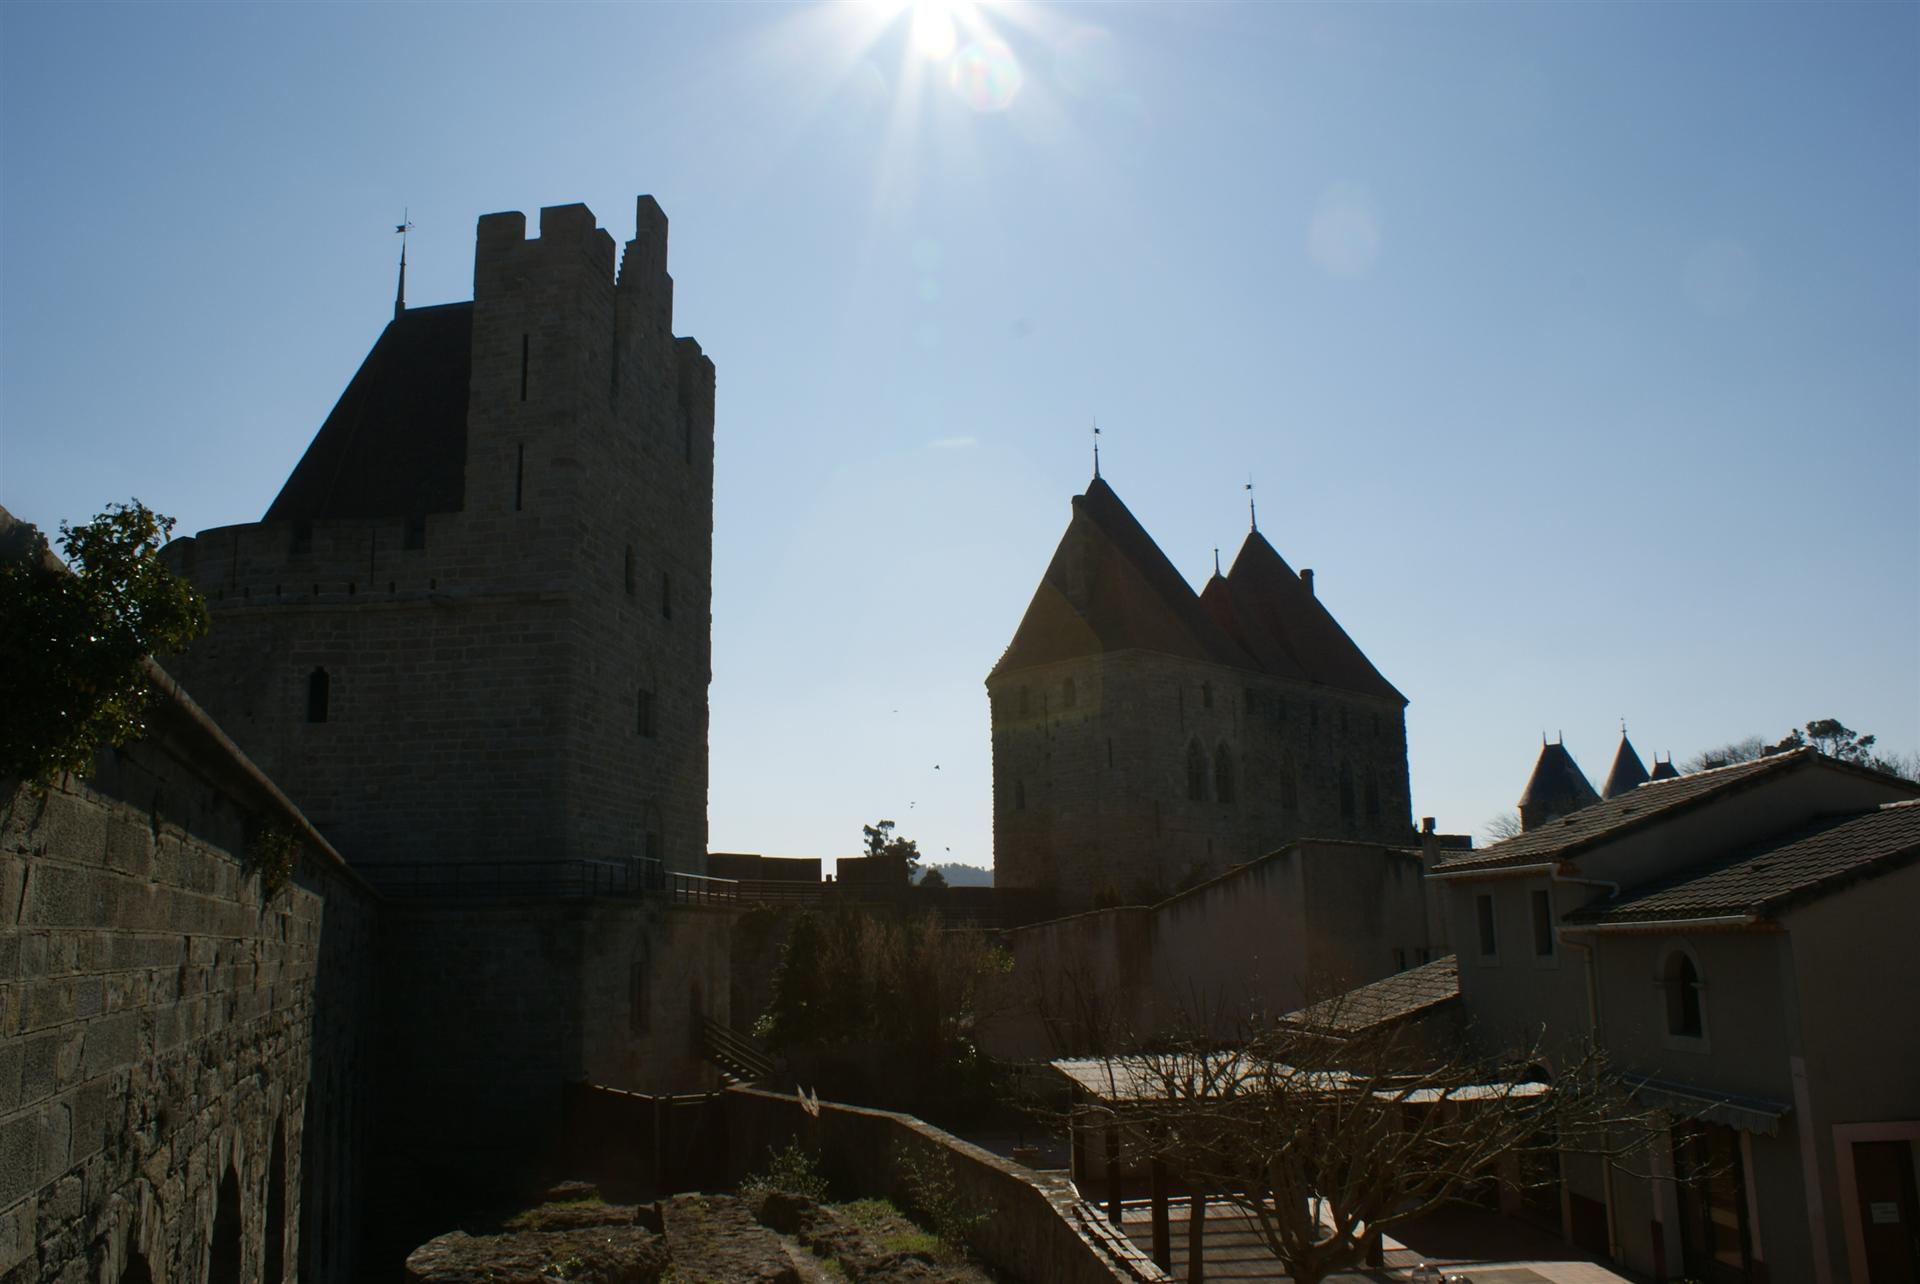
1096,447
404,226
1253,517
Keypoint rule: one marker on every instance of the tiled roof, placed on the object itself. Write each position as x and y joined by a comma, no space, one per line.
1110,588
1392,998
1568,834
1812,862
395,444
1271,612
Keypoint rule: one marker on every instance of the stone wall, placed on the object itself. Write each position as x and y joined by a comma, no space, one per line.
492,1008
183,1078
486,667
1310,920
1095,790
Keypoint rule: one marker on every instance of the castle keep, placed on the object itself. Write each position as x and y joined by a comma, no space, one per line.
475,623
1146,736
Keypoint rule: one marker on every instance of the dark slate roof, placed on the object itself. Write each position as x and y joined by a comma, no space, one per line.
1110,588
1765,880
1393,998
1557,785
1567,835
395,444
1628,772
1271,613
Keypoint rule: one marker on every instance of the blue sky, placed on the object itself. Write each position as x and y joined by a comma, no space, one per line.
1575,347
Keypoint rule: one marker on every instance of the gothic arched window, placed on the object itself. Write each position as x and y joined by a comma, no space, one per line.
1196,772
1223,774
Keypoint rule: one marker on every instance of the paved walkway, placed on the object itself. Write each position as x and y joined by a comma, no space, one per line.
1486,1248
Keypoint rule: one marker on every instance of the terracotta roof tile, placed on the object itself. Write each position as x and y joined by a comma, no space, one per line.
1568,834
1785,871
1389,999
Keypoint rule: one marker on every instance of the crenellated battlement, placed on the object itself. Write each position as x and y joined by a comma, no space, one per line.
487,584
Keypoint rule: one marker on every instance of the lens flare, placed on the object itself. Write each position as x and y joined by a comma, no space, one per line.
986,75
934,32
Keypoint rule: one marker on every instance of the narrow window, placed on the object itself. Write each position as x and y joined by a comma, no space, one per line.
1223,774
524,353
1399,959
628,574
519,475
643,720
1346,792
1489,943
1196,772
1543,923
319,692
666,596
1683,996
1068,695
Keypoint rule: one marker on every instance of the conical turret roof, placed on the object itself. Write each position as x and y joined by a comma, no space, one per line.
1628,772
1556,787
1110,588
1664,770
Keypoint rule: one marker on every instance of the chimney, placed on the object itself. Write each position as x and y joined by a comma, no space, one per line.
1306,578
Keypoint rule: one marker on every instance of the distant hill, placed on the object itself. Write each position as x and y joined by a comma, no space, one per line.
958,875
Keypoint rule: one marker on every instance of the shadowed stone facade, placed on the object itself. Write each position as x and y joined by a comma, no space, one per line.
1145,736
475,624
185,1051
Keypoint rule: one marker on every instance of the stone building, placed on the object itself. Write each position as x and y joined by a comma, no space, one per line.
475,623
1146,737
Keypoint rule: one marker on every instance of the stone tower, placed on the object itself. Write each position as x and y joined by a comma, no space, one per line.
475,623
1145,736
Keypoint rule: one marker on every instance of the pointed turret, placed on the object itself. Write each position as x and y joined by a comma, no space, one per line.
1664,770
1557,787
1110,588
1627,772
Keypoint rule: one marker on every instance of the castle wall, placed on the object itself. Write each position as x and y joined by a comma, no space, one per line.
1310,920
526,678
184,1074
1093,792
496,1006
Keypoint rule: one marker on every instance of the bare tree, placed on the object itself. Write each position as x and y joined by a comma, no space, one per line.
1501,826
1324,1134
